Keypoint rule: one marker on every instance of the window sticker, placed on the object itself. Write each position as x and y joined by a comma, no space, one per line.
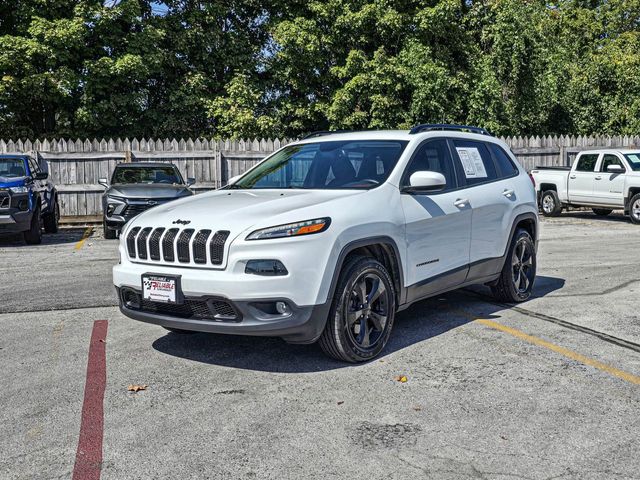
472,162
634,158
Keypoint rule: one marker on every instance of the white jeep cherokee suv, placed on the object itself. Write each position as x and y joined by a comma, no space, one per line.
330,236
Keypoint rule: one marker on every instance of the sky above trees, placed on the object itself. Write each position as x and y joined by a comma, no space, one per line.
249,68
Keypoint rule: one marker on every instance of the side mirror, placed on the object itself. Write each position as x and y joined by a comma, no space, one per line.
615,169
191,181
425,181
103,182
42,176
233,180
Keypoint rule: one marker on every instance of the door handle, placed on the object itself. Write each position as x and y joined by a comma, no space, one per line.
572,176
508,193
598,178
461,202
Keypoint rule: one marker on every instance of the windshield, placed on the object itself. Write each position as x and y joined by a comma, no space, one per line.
12,168
359,164
634,161
162,174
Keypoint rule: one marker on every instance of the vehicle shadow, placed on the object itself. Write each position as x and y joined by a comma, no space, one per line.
63,236
422,321
616,216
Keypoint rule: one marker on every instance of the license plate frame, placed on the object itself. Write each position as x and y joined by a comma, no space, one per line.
162,288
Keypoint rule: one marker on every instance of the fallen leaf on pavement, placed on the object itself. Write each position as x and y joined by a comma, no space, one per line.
401,378
417,409
136,388
340,402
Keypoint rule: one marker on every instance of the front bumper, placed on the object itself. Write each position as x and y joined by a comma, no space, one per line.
15,213
300,325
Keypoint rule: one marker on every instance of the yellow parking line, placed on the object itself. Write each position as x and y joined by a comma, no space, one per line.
87,234
561,350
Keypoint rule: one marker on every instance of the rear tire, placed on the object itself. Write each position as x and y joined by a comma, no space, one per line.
634,209
362,312
108,233
602,212
33,236
519,271
52,219
550,204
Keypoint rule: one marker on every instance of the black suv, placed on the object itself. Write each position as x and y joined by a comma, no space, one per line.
136,187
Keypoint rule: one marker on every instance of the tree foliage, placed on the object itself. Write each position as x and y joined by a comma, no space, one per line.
78,68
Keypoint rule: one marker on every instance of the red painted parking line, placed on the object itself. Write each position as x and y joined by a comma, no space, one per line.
89,454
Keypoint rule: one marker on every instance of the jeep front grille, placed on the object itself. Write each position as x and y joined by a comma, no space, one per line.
186,246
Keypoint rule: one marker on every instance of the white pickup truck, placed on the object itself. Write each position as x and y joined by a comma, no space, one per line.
604,180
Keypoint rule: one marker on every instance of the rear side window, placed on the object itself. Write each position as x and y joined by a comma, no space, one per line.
506,166
475,161
587,163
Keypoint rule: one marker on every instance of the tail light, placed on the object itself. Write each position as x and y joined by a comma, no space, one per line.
533,180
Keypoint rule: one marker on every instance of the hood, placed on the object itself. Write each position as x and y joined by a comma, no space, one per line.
153,190
6,182
238,210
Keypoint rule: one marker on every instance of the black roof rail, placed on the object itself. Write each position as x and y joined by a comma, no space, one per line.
322,133
425,127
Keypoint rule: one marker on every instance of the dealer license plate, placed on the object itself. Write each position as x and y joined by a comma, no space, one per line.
161,288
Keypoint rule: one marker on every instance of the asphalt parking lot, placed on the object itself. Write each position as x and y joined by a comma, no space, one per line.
550,389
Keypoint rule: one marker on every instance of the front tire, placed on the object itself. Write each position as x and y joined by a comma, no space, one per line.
634,209
52,219
602,212
519,271
33,236
362,312
108,233
550,204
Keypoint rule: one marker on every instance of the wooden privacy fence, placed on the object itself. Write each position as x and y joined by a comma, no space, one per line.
76,166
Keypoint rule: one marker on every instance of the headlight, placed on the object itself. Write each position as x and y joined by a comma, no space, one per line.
19,189
291,229
115,199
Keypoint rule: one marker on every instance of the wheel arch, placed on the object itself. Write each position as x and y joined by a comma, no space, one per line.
382,248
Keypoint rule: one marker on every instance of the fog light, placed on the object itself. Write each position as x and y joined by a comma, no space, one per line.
282,308
265,267
111,208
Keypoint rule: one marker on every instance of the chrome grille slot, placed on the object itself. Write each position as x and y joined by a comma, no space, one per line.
167,245
154,244
131,241
141,242
217,247
200,246
183,245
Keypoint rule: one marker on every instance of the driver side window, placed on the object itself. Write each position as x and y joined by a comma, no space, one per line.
433,156
609,159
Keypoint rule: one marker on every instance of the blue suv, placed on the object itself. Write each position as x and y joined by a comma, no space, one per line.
28,200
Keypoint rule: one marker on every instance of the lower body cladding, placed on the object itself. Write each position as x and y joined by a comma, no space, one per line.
214,314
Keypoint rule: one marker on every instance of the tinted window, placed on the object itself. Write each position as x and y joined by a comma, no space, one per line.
610,160
505,164
12,168
475,161
124,175
433,156
360,164
587,163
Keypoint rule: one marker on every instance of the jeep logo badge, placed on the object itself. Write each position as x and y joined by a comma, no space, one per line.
181,222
